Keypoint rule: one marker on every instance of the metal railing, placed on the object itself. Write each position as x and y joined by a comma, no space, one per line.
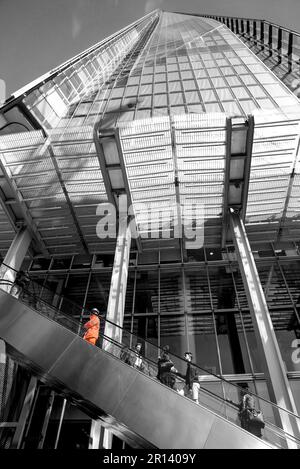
216,393
277,46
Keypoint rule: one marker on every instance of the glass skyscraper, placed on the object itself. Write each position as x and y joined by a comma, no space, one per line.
206,119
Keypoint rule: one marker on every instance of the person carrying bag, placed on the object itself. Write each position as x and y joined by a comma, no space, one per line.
252,420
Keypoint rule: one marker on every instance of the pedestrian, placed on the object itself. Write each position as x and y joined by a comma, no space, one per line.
251,419
92,327
125,355
166,369
244,394
21,284
137,358
7,278
192,385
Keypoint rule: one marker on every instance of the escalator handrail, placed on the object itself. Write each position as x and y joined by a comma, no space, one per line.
273,428
140,339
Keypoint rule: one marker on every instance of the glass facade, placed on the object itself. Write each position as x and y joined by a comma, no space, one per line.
194,306
276,46
172,84
168,82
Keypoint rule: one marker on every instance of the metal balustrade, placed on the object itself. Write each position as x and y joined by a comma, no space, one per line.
216,393
278,47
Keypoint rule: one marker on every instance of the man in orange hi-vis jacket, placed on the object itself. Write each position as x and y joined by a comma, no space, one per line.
92,327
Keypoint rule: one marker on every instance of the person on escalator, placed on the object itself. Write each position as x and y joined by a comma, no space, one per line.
192,384
166,369
245,393
251,419
125,355
92,327
21,284
136,357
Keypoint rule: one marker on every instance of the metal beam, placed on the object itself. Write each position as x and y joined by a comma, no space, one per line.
61,418
99,138
46,419
239,142
226,180
290,52
66,194
289,191
177,192
95,434
118,286
277,381
270,40
249,146
18,213
18,436
279,45
12,219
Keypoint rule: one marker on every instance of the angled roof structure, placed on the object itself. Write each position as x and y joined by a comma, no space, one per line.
202,123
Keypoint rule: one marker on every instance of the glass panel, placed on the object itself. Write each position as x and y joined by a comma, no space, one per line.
197,298
146,327
231,108
40,264
176,98
189,84
291,272
248,79
295,386
276,90
240,92
273,285
208,95
248,106
232,81
98,292
174,86
204,84
173,76
287,330
224,94
75,291
171,292
60,263
146,297
213,107
202,341
173,333
257,358
257,91
53,289
160,88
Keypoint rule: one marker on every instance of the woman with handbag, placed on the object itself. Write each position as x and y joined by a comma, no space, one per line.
251,419
166,369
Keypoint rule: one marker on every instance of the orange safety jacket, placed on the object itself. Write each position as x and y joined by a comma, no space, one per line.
92,326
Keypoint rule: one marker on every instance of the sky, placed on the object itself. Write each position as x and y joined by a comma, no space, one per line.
38,35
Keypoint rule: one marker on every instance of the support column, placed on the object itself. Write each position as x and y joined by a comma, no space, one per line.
95,434
106,438
18,436
277,381
62,414
118,285
14,257
46,419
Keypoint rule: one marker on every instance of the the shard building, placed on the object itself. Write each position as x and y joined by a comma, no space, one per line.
156,177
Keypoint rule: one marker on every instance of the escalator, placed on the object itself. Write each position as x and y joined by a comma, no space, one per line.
133,403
